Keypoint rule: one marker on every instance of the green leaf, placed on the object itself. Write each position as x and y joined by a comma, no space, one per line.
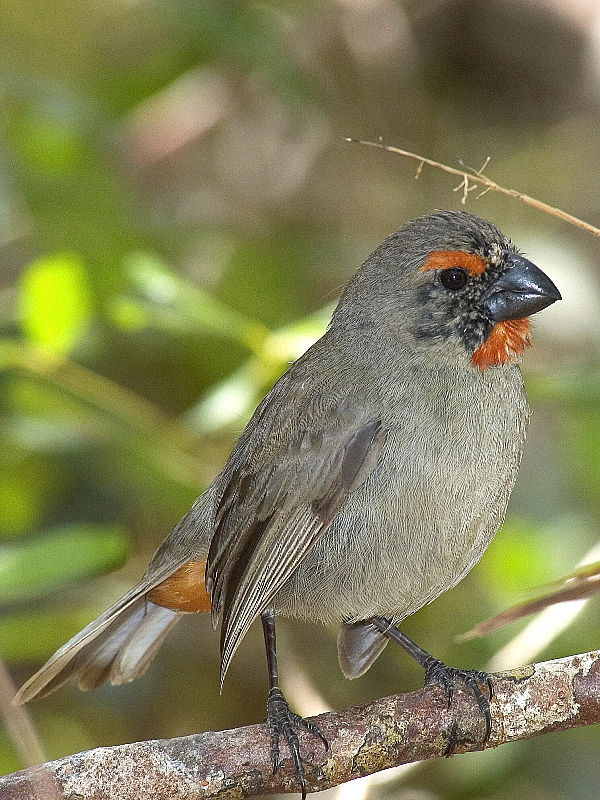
34,635
54,302
518,558
234,399
171,302
25,486
48,141
34,567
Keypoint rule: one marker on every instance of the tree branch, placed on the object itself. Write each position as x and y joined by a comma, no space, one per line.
529,701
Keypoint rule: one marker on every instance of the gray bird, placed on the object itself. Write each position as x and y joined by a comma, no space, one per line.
369,480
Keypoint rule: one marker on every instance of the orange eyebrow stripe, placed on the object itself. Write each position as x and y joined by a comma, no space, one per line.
447,259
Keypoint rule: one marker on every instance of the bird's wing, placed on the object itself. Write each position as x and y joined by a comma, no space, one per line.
279,495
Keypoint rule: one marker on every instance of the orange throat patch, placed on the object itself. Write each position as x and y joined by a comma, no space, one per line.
504,345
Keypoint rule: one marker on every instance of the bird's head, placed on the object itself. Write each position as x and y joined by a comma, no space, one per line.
452,280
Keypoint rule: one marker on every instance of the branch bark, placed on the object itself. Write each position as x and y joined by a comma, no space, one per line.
529,701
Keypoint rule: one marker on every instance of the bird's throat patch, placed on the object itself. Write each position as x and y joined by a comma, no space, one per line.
504,345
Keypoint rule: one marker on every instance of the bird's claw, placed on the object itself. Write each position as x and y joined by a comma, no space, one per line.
436,672
282,721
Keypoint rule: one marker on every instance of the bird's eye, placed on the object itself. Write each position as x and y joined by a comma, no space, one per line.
454,278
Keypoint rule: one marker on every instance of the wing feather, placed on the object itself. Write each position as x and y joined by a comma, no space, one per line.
268,518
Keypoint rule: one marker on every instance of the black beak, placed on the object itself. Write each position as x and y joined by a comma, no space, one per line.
523,290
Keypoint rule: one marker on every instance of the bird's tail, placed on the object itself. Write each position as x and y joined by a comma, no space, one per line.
117,646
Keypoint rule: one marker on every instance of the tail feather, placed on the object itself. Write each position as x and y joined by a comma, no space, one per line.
141,647
102,658
120,644
94,661
94,653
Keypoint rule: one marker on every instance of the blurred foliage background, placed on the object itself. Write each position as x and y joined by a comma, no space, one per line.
178,210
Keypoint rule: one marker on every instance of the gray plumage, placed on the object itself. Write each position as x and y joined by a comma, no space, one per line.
369,480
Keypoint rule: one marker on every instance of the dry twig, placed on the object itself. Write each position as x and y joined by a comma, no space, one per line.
473,178
17,721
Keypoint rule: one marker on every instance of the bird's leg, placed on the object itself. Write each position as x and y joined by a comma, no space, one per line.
279,717
437,672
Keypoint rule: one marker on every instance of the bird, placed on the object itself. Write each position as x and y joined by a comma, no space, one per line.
370,479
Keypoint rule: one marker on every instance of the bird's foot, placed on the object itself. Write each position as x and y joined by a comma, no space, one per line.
282,722
447,677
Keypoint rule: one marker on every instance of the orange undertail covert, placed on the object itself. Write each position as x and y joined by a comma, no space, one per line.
184,590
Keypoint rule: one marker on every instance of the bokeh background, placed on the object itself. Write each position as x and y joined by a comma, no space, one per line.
178,209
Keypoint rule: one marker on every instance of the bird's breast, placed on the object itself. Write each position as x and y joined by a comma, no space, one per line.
430,508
